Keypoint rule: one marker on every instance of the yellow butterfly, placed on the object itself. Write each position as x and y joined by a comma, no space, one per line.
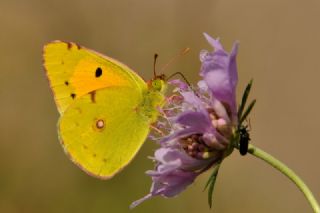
105,108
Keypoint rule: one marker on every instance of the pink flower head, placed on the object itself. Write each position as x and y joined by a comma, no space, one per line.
197,124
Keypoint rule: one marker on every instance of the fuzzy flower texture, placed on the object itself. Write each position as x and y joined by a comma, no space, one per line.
197,124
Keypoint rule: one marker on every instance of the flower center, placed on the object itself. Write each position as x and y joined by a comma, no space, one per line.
220,124
207,145
202,146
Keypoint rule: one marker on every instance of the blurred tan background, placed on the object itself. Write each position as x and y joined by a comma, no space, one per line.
279,48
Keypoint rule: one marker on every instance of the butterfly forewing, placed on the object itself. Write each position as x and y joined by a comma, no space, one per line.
74,71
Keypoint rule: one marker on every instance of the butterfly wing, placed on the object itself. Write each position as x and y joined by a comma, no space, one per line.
99,128
102,136
74,71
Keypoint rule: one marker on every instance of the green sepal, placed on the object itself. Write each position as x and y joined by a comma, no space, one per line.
247,112
211,182
244,99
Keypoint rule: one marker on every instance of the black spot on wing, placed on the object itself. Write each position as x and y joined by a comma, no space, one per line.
73,96
98,72
93,96
69,44
78,46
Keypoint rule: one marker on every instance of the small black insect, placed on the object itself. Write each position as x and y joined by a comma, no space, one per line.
244,139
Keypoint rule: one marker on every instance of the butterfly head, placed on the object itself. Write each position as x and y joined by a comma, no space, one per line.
158,83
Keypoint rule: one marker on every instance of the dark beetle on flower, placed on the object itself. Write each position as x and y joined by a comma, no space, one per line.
244,140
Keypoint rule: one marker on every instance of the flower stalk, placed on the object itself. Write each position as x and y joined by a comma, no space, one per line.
287,172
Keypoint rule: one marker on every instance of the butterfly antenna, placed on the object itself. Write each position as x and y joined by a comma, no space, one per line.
154,66
183,52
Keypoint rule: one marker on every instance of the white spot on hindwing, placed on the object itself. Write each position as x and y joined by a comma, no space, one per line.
100,124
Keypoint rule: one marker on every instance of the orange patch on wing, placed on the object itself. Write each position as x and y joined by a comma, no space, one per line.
85,80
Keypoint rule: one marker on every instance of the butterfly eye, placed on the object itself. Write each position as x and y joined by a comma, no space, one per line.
157,85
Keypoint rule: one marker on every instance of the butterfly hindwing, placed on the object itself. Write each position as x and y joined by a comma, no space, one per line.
102,136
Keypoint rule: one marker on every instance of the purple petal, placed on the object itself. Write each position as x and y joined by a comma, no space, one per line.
165,155
178,134
173,183
164,169
178,83
233,65
191,98
220,110
138,202
168,185
214,42
203,86
177,182
197,120
211,141
175,158
219,71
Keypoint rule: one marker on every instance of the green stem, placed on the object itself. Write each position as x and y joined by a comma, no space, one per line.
287,172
